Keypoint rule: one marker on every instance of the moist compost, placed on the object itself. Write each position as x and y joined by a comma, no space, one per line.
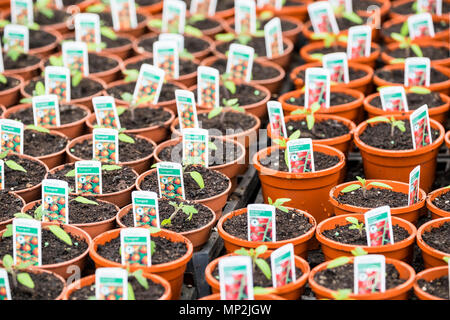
204,24
111,43
191,44
185,66
374,198
407,9
9,205
17,180
97,63
246,94
257,43
46,287
106,18
324,50
167,91
259,72
336,99
67,114
10,83
323,129
58,17
415,100
438,237
398,75
443,201
438,27
434,53
353,74
40,38
38,144
234,122
275,161
437,287
24,60
86,88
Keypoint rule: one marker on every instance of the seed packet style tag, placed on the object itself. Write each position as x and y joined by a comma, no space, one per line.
317,87
46,110
359,42
57,81
236,278
149,83
337,65
378,225
2,174
106,112
417,72
414,182
5,291
203,7
300,155
431,6
11,135
165,57
187,110
87,29
16,36
420,25
123,14
276,119
195,146
245,16
174,16
208,87
283,265
420,127
22,12
341,5
135,247
111,284
240,62
27,241
88,177
369,274
105,145
273,37
75,56
145,209
322,17
178,38
170,178
277,4
55,201
261,223
393,99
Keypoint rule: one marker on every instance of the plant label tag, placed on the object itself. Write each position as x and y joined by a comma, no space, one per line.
170,177
46,110
178,38
149,84
5,291
322,17
11,135
135,247
75,57
378,225
277,4
55,201
414,181
105,145
27,241
187,110
369,274
337,65
261,223
57,4
145,209
111,284
359,42
165,56
417,72
245,16
208,80
283,265
317,88
123,14
57,81
276,119
16,37
431,6
174,16
273,37
106,112
420,127
195,146
203,7
300,155
87,29
236,278
240,62
420,25
22,12
341,5
88,177
2,174
393,98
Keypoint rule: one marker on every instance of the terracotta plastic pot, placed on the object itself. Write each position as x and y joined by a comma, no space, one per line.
447,139
291,291
399,3
431,257
387,58
308,32
57,158
408,213
4,223
299,11
150,9
429,275
401,292
11,96
233,243
141,27
397,164
437,213
26,73
257,297
39,270
172,271
47,50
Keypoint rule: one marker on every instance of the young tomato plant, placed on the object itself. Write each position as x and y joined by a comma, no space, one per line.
279,203
18,277
364,185
128,97
39,90
309,112
405,42
394,123
355,225
42,6
329,40
197,178
11,163
186,209
256,261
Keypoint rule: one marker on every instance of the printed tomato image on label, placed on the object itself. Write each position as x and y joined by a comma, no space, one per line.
27,241
379,226
135,246
207,87
261,222
11,135
111,284
420,127
283,265
105,145
148,85
414,191
5,292
174,15
55,195
300,155
2,174
337,65
195,146
124,14
317,91
165,57
87,29
321,15
46,110
369,274
170,177
145,209
88,178
240,61
22,12
187,115
236,280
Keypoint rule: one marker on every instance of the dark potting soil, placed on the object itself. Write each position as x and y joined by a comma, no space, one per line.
165,250
146,2
275,161
290,225
246,94
257,43
97,63
10,83
17,180
54,250
378,135
24,60
285,25
443,201
110,43
67,114
106,18
362,5
154,292
342,277
353,74
434,53
167,91
438,27
323,129
67,3
343,234
38,144
336,99
204,24
215,183
179,222
192,44
407,8
259,72
232,121
437,287
58,17
397,75
438,237
40,38
186,66
46,287
112,180
87,87
324,50
374,198
140,149
415,100
343,23
9,205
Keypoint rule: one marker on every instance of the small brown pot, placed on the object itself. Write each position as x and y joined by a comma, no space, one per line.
2,111
431,257
437,213
38,270
4,223
429,275
11,96
26,73
150,10
387,59
57,158
46,51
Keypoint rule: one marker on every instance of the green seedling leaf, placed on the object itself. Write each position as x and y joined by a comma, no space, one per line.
280,142
4,154
152,247
3,79
56,61
378,119
261,290
404,31
120,111
214,112
185,54
397,37
141,279
14,166
319,36
8,261
244,39
446,259
419,90
71,173
39,88
231,86
9,231
108,33
155,23
192,31
265,268
60,234
316,56
342,294
25,100
351,188
25,279
166,222
260,250
198,179
212,146
225,37
242,252
353,17
22,215
380,184
84,200
131,292
338,262
125,138
295,135
76,79
38,213
37,128
397,61
416,49
96,8
358,251
128,97
111,167
352,220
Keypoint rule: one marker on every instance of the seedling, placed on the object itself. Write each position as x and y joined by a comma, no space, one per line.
131,75
18,277
364,185
338,262
61,234
329,39
358,251
122,136
418,90
11,163
39,90
42,7
446,259
3,79
14,52
279,203
342,294
128,97
110,167
186,209
355,225
405,42
243,39
256,261
309,112
228,105
197,178
138,275
84,200
188,30
282,142
96,8
394,123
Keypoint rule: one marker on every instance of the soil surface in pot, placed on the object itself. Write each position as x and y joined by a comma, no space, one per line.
353,74
415,100
407,9
167,91
290,225
438,237
398,75
97,63
9,205
10,83
24,60
235,122
38,38
374,198
259,72
112,180
111,43
443,201
336,99
86,88
285,24
38,144
154,291
16,180
438,27
106,18
437,287
46,287
57,17
434,53
191,44
67,114
276,161
204,24
147,2
344,24
257,43
378,135
185,66
323,129
324,50
246,94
